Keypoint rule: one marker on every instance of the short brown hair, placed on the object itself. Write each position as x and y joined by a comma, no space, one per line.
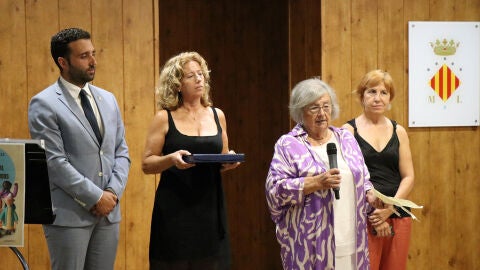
374,78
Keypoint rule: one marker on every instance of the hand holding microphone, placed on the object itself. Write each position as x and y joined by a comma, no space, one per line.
332,160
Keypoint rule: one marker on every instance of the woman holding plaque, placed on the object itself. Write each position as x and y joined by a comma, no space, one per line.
189,223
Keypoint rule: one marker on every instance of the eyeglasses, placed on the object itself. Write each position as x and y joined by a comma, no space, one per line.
315,109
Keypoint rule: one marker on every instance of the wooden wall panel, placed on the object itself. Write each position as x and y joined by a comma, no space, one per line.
107,35
466,146
305,35
139,85
337,53
421,146
13,84
257,52
249,73
26,68
75,14
442,156
364,49
41,23
245,44
465,195
12,68
440,179
391,55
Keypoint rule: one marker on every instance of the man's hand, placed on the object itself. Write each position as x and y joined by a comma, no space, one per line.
105,205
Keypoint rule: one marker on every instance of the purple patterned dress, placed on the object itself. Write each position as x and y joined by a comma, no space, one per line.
304,224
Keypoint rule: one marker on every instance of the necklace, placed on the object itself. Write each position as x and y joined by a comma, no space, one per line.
321,141
192,114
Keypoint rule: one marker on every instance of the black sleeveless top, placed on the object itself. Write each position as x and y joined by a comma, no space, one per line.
384,165
189,219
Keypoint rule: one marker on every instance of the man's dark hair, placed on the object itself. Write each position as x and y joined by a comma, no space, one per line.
59,43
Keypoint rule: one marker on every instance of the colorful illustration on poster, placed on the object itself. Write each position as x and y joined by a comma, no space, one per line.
12,171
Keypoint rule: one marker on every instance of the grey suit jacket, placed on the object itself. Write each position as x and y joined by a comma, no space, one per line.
79,168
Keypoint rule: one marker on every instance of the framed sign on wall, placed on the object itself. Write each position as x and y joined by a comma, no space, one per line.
444,74
12,194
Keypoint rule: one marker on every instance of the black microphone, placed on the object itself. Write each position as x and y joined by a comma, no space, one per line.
332,159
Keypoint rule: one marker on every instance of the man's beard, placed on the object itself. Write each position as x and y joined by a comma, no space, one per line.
79,76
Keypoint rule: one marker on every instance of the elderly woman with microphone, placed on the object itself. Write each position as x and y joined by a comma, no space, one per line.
315,230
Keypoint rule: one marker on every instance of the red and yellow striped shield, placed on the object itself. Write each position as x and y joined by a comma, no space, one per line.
444,82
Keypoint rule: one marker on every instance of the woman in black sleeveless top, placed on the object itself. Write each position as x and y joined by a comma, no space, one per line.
189,224
385,147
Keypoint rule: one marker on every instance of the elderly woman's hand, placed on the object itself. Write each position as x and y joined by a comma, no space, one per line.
324,181
330,179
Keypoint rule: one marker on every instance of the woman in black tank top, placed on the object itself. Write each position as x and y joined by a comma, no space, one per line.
385,147
189,223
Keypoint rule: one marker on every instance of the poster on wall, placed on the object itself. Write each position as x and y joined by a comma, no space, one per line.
12,194
444,74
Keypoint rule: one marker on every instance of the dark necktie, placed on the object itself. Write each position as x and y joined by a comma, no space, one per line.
87,109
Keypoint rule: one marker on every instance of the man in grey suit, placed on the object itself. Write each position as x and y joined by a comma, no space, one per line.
87,157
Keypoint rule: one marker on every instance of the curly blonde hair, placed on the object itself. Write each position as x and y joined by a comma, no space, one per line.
171,76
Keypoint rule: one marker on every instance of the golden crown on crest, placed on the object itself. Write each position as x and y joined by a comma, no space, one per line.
444,48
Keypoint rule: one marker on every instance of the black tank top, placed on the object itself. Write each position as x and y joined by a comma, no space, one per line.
384,165
189,219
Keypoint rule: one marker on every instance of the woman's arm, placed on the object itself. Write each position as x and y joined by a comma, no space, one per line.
153,159
225,149
405,165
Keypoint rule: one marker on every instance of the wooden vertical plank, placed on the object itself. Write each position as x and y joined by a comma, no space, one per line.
443,214
313,39
13,95
10,260
421,238
139,78
442,185
107,38
296,50
419,252
13,70
237,80
305,40
75,14
247,53
41,24
156,46
364,49
468,10
391,53
336,53
467,162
